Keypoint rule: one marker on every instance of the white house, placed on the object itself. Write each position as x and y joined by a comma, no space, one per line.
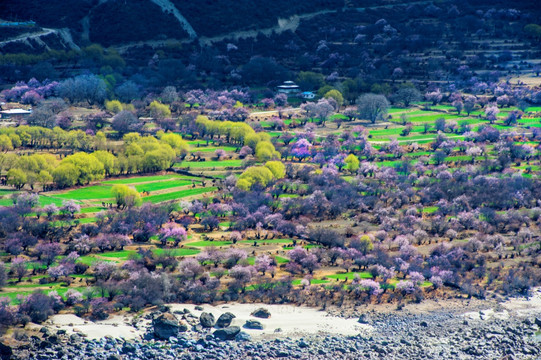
7,114
288,87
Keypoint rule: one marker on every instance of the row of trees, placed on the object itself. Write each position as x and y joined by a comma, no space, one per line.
138,155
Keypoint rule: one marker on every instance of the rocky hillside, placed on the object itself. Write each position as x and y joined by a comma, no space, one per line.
116,22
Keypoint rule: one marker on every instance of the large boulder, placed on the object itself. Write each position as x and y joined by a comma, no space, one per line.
243,336
364,319
225,320
207,320
261,313
538,321
167,325
227,333
253,324
5,352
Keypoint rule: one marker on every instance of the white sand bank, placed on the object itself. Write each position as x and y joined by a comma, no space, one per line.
292,320
115,326
285,320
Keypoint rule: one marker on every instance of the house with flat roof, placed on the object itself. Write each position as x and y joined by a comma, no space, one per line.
8,114
308,95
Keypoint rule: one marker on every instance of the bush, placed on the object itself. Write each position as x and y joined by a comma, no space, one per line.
37,306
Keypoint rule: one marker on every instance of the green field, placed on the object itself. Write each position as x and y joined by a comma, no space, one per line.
177,195
350,276
206,243
155,186
209,164
87,193
143,179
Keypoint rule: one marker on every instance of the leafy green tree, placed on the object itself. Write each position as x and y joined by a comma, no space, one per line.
17,178
254,175
533,30
352,163
5,143
125,196
44,177
65,175
336,95
180,146
265,151
159,110
159,159
108,160
277,169
365,245
88,166
114,106
309,80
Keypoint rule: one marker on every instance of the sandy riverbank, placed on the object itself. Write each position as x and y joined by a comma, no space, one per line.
285,320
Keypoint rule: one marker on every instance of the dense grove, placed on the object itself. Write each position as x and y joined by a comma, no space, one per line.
412,174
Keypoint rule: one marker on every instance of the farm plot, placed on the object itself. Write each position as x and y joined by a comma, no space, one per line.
209,164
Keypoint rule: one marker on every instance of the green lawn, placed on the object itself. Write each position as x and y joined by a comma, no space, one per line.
92,209
269,241
122,255
430,209
177,195
214,148
47,200
209,164
350,276
87,193
176,252
143,179
309,246
312,281
206,243
155,186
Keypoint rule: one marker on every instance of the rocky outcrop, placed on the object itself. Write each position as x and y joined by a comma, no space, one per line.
207,320
253,324
225,320
167,325
261,313
227,333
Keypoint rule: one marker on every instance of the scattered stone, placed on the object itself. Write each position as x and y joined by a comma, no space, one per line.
261,313
167,325
227,333
253,324
199,308
225,320
364,319
207,320
128,348
243,336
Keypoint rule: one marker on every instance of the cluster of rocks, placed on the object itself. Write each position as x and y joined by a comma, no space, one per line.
183,335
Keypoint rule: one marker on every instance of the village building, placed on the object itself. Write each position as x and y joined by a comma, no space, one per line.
308,95
288,87
8,114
